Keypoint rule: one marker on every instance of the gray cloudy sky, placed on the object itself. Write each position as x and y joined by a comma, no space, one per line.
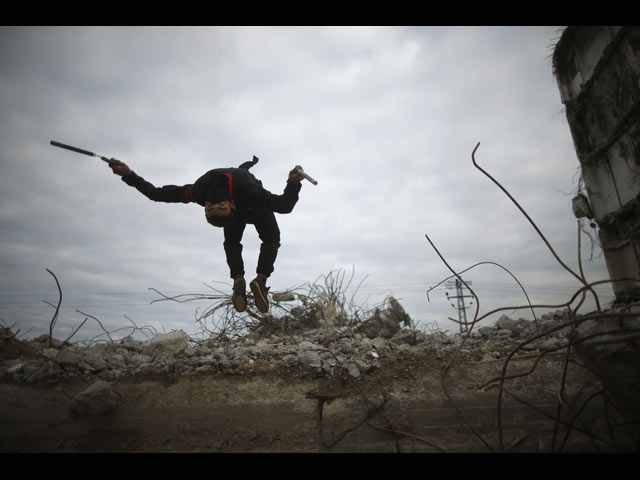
384,118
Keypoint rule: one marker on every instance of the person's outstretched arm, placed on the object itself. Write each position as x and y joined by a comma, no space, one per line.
167,193
284,203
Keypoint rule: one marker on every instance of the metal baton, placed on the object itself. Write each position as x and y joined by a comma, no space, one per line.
301,172
80,150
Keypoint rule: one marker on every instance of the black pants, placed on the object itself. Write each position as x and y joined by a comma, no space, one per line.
269,233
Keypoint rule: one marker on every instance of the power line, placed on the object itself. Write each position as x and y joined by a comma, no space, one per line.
363,287
35,300
76,294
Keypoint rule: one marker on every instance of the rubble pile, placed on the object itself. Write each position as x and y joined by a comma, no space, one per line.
314,352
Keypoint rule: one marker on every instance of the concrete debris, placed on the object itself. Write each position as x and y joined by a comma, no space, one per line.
352,369
314,352
98,399
610,348
310,359
283,297
386,323
174,343
506,323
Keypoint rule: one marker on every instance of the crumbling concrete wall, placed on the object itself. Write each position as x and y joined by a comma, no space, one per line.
598,72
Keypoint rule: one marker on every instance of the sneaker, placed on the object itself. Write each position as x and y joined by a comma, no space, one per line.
239,298
260,294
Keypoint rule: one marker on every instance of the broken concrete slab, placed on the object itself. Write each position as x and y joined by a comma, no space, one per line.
385,322
98,399
174,343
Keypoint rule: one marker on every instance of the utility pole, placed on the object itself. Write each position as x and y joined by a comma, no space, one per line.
460,296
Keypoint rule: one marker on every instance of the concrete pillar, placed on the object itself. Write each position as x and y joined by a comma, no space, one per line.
598,72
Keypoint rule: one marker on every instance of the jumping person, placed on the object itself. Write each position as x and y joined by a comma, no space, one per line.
232,198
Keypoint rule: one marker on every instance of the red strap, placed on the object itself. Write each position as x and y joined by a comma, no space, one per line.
228,175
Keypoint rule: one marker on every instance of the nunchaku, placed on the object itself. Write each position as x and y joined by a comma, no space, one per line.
301,172
110,162
80,150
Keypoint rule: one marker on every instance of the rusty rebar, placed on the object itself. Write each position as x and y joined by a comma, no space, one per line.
55,315
573,323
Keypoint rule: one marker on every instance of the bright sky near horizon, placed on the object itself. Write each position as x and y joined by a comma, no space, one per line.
385,118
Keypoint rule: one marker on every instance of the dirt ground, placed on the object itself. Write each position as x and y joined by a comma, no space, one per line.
403,406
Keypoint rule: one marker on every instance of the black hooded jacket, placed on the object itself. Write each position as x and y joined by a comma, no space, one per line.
221,184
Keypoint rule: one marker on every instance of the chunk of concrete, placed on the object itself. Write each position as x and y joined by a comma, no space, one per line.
174,343
98,399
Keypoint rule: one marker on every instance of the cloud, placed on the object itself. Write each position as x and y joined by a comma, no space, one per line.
384,118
